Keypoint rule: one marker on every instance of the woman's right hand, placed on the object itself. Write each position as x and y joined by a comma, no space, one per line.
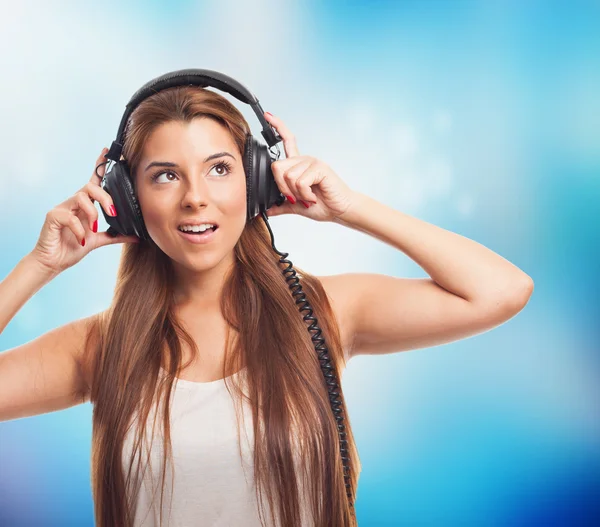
60,243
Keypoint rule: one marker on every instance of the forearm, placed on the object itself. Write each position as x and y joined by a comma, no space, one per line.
458,264
19,286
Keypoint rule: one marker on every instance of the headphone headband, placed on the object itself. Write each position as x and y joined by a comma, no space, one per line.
193,77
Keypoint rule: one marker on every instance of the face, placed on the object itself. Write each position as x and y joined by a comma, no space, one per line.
195,173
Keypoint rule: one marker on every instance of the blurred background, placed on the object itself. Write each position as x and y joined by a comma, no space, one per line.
480,117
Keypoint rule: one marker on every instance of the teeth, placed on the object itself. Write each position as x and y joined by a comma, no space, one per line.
195,228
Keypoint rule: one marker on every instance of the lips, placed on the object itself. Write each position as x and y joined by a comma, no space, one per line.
199,232
197,221
199,238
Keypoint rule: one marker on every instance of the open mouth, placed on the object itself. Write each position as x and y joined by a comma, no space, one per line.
199,233
199,237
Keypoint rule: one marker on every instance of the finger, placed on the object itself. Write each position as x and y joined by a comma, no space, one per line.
87,207
280,168
99,167
305,181
104,238
291,175
278,210
97,193
289,141
65,218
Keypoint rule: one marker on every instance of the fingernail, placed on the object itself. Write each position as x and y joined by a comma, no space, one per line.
95,227
269,114
291,199
83,242
113,211
305,204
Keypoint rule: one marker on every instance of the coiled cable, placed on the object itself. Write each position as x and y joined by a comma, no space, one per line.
324,359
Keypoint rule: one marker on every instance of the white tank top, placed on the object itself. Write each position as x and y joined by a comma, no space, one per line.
211,485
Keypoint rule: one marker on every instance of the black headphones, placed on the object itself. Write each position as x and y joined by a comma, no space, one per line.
261,189
261,193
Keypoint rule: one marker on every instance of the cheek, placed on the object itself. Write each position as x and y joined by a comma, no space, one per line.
236,211
234,203
152,212
240,201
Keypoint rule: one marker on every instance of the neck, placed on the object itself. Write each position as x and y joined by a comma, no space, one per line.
200,289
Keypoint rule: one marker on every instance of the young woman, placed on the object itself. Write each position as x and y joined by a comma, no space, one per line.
203,330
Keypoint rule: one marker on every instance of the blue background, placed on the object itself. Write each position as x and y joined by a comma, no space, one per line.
480,117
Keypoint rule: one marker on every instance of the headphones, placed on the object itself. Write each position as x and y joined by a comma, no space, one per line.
261,193
261,189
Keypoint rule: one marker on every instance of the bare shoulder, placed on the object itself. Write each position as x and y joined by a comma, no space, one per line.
81,339
47,373
87,339
336,288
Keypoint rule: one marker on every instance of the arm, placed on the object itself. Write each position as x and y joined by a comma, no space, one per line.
44,374
470,289
26,279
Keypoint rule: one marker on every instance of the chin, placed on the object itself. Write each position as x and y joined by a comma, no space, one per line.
199,258
192,256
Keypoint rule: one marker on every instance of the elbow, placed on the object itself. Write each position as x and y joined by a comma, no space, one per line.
520,294
525,288
510,300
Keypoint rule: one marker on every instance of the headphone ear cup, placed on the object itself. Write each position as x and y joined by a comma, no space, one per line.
248,159
262,191
129,220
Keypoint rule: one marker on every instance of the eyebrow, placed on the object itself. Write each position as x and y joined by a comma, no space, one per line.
174,165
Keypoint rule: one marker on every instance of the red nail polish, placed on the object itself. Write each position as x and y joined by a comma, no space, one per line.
83,242
304,203
95,227
113,211
291,199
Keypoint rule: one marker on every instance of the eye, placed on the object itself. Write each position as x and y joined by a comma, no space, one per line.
155,176
223,164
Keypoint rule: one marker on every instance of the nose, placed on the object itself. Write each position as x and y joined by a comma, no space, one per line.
195,192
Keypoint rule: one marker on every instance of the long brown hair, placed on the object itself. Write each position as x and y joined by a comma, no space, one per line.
286,386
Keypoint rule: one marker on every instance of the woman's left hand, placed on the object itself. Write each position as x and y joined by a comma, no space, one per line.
307,179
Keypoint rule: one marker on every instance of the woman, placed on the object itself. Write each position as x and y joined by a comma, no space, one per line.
197,314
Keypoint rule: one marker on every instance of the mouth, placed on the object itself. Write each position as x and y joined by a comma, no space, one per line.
199,237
